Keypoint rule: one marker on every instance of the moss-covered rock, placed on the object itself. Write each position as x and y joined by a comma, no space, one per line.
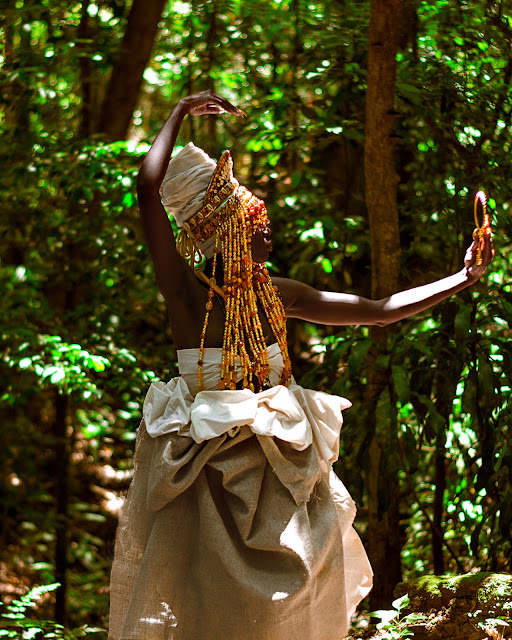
460,607
475,606
483,590
424,593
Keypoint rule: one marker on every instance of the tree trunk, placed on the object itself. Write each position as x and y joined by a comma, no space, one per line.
440,488
381,180
15,93
86,72
294,96
62,498
450,363
126,79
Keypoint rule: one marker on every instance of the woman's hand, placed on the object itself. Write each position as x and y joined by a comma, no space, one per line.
474,270
208,102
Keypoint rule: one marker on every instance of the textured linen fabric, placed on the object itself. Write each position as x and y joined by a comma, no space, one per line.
235,526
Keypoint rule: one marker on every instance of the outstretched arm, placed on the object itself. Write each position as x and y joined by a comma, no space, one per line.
169,266
305,302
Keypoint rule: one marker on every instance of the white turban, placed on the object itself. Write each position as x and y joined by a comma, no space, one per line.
184,186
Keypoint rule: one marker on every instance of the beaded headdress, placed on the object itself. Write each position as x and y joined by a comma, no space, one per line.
231,214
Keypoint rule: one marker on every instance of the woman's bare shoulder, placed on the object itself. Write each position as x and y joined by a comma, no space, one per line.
290,290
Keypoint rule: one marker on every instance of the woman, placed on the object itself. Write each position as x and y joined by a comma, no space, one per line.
235,525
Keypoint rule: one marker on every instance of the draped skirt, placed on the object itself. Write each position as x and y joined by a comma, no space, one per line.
241,536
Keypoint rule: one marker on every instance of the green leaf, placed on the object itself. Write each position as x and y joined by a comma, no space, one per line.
383,614
92,430
382,361
357,356
128,199
58,375
326,265
400,383
97,363
401,603
463,320
296,178
383,413
94,517
50,370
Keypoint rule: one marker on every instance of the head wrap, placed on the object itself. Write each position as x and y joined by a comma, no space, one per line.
184,186
225,220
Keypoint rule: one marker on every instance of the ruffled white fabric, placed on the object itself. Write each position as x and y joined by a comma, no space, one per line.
293,414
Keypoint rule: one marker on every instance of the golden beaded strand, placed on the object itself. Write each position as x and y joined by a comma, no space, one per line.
244,283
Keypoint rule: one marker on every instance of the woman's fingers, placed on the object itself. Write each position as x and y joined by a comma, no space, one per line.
207,108
230,108
214,108
209,102
227,106
485,245
488,247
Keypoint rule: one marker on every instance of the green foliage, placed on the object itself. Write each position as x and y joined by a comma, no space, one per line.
392,626
62,364
80,314
15,623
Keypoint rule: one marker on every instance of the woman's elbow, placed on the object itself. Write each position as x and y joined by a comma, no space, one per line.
383,316
143,180
148,178
146,186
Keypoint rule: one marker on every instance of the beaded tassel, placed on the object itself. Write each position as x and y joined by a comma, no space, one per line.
274,310
237,216
209,306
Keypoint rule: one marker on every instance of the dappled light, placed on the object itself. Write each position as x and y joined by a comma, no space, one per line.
84,330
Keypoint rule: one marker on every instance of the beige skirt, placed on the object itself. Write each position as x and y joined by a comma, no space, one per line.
239,537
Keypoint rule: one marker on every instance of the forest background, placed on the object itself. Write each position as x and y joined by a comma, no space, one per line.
368,140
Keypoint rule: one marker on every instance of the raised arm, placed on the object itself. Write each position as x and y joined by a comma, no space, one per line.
169,266
305,302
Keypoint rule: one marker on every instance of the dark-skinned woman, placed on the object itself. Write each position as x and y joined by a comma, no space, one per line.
235,526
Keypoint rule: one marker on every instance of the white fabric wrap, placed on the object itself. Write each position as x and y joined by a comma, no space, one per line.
184,186
293,414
